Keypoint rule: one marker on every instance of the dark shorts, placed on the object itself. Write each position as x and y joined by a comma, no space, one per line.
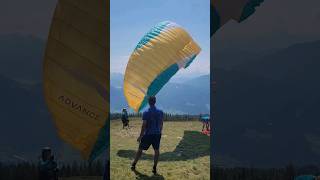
125,122
150,139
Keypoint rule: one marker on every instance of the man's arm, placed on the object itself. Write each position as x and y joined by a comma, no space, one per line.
161,125
143,128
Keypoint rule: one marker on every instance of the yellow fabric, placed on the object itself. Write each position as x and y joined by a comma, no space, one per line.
146,63
76,71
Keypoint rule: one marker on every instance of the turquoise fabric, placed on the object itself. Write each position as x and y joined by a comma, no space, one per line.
215,20
159,82
249,9
190,60
154,32
205,118
101,143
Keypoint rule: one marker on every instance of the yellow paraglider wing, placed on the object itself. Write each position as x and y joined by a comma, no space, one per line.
165,49
76,74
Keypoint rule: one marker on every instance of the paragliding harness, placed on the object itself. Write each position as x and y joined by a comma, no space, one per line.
125,120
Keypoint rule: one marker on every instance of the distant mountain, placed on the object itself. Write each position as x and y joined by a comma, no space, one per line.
116,80
117,99
191,97
229,58
267,109
201,81
25,122
287,62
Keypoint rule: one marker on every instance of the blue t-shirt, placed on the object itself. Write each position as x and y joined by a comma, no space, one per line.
154,118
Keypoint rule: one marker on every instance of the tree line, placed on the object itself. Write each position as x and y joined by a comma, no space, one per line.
29,170
287,173
167,116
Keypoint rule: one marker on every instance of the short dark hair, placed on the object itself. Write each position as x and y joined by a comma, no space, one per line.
152,100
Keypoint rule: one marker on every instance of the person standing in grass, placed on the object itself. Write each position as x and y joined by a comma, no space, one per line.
48,168
150,133
124,118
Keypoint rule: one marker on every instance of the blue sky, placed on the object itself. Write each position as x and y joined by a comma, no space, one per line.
131,19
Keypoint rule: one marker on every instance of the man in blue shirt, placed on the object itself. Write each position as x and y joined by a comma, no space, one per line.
150,133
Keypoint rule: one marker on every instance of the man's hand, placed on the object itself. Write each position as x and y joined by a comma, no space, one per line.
139,139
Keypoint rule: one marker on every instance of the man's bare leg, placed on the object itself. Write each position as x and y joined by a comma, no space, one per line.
155,160
136,159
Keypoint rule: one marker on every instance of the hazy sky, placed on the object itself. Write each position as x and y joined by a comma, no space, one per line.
130,20
26,16
276,24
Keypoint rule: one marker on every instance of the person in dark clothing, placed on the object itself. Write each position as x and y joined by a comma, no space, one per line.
150,133
205,119
48,168
124,118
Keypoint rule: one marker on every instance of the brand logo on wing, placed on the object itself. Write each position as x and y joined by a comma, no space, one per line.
78,107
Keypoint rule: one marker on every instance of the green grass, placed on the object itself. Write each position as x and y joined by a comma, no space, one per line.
185,152
82,178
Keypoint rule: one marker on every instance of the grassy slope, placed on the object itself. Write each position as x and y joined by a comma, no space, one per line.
184,152
82,178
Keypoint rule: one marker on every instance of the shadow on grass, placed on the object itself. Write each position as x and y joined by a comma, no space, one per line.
193,145
140,176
